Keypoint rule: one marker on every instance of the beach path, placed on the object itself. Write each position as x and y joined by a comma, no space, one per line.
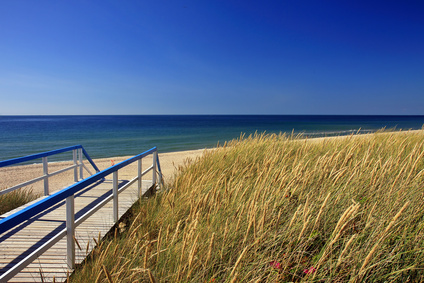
17,243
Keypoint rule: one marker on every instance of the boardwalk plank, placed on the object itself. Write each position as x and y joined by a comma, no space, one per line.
36,231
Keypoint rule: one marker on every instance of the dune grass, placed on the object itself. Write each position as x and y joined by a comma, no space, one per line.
15,199
272,208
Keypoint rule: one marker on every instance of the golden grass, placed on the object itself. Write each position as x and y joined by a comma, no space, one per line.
272,208
15,199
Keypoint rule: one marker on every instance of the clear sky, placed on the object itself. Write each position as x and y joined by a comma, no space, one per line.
211,57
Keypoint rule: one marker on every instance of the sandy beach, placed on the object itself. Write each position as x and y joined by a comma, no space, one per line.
11,176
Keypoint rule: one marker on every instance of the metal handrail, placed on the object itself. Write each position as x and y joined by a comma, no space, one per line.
68,195
45,154
78,151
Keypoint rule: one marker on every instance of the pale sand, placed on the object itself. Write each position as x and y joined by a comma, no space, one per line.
14,175
11,176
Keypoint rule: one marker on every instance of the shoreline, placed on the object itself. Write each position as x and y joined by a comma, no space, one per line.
169,162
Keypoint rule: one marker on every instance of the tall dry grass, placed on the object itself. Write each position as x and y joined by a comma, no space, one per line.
272,208
16,199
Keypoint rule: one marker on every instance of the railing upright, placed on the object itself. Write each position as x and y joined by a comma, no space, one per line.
140,176
75,164
159,171
155,156
115,196
46,176
80,163
70,231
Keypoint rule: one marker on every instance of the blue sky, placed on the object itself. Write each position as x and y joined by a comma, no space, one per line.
211,57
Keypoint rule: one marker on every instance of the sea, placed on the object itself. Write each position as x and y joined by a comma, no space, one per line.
115,135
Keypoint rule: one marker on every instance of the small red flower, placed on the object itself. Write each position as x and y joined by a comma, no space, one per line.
275,264
310,270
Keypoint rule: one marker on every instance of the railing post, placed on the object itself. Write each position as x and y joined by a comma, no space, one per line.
75,163
80,163
159,173
46,176
115,196
139,178
155,156
70,232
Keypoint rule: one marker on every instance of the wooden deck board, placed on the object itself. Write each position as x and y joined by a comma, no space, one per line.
36,231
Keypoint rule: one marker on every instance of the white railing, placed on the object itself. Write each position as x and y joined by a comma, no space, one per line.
77,152
71,223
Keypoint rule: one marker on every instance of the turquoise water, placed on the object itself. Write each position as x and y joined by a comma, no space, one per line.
107,136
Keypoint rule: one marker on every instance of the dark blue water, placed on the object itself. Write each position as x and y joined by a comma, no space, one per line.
107,136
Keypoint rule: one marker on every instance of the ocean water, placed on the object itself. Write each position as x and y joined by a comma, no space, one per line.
108,136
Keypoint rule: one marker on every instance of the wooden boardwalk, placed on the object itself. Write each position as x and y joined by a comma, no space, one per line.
51,266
